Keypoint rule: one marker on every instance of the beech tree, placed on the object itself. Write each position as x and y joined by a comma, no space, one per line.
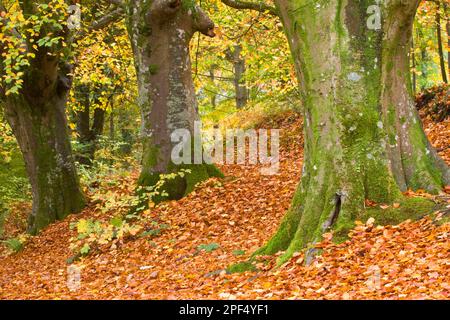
363,137
36,114
35,82
241,91
160,32
439,41
88,129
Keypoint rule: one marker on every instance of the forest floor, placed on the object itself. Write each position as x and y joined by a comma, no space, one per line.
222,223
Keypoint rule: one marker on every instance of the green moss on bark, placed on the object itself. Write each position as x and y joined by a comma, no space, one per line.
182,184
410,208
340,64
241,267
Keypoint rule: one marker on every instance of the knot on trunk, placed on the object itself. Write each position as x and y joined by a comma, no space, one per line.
203,23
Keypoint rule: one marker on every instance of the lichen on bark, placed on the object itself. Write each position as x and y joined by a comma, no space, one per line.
160,33
38,119
354,103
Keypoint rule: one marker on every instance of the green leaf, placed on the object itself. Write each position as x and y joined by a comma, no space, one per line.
116,222
208,247
85,249
238,252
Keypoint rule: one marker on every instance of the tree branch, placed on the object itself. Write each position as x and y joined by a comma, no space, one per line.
114,15
261,6
14,32
203,23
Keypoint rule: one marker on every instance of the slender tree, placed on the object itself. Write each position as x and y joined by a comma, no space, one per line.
439,41
88,129
240,89
212,76
447,26
413,65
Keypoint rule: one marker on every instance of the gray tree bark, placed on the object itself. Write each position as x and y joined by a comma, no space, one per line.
37,117
363,137
241,91
160,32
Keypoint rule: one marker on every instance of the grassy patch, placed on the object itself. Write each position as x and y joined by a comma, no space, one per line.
241,267
208,247
238,252
16,244
14,183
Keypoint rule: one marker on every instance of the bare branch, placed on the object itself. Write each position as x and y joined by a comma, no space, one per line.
260,6
114,15
108,18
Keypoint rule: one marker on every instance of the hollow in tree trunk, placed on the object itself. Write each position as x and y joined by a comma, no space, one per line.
363,137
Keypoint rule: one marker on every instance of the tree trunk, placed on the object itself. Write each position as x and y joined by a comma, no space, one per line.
160,32
448,44
83,127
38,120
447,14
439,40
424,71
413,62
239,70
126,133
213,95
363,138
413,161
88,134
112,127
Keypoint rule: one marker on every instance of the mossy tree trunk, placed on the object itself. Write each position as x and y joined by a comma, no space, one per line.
160,32
38,119
37,113
363,138
413,161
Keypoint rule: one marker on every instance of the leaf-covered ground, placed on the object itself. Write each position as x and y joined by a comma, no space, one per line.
222,223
